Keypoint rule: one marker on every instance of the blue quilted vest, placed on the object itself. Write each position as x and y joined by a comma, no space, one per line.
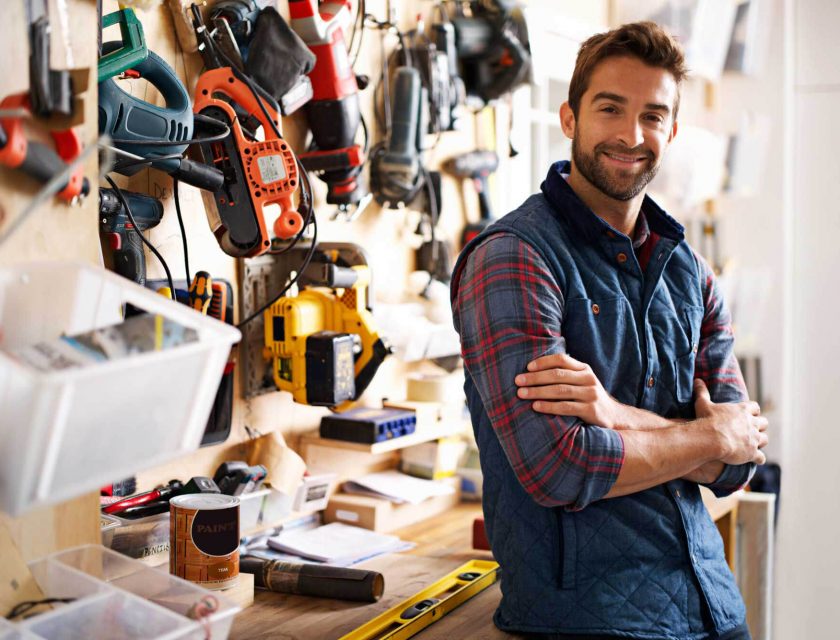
646,565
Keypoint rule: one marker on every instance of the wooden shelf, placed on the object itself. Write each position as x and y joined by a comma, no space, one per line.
425,434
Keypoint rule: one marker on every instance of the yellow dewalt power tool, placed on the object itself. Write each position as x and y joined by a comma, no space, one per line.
322,342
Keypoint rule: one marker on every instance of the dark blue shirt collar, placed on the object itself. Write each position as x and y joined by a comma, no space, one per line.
566,202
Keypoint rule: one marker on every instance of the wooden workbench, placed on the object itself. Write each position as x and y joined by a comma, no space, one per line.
444,542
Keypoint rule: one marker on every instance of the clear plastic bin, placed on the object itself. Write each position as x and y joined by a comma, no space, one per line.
117,597
262,509
66,432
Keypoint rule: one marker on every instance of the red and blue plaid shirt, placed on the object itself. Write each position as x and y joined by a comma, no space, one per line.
510,308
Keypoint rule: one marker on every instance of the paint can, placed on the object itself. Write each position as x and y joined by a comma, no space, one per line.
204,539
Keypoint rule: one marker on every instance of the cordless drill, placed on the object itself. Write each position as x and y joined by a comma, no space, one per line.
122,237
476,166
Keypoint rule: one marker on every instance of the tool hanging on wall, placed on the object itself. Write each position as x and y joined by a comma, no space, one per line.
132,50
416,613
50,96
257,173
322,343
147,134
395,166
493,48
476,166
122,237
37,159
333,114
271,53
50,90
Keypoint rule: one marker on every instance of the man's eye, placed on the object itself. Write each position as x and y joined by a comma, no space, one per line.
655,118
609,109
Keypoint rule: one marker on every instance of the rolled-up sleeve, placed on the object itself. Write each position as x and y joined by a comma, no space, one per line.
508,310
718,367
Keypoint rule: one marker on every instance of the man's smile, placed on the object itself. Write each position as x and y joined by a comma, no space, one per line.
624,160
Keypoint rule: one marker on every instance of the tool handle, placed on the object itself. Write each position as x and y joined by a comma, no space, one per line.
483,199
315,580
41,162
201,291
130,261
406,112
133,501
199,175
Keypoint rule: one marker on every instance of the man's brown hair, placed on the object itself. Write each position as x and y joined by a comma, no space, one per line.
646,41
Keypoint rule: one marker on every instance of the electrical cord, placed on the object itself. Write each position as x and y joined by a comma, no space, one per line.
361,13
294,280
121,166
183,231
124,203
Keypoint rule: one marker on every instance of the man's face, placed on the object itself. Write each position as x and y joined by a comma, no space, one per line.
624,124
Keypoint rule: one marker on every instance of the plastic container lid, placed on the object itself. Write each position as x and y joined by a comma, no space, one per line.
205,501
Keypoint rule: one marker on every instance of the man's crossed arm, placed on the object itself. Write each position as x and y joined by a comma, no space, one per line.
656,449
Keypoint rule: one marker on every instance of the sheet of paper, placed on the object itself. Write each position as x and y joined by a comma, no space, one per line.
337,543
398,487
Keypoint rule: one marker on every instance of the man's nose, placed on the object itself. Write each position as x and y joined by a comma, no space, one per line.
631,134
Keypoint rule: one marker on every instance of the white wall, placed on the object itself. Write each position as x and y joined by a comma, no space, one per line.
808,589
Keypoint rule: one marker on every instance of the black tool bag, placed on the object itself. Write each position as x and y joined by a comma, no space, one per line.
277,57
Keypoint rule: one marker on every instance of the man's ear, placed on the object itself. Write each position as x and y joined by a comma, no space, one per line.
567,120
673,132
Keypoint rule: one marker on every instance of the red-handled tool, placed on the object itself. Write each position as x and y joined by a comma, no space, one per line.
199,484
37,159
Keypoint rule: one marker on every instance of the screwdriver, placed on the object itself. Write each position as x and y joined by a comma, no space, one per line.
201,292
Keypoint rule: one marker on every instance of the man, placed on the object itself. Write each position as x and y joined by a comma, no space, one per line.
601,379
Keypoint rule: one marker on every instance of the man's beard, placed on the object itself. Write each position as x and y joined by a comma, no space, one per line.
601,179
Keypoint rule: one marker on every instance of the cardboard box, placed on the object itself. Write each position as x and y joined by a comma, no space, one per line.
382,515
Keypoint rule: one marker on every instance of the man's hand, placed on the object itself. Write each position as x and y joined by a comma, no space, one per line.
563,386
706,474
740,427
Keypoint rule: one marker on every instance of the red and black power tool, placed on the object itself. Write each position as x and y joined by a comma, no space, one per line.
333,113
37,159
257,173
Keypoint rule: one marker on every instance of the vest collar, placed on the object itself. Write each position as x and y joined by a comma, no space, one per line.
591,226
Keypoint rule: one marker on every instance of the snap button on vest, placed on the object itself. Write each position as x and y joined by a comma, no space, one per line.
622,258
596,309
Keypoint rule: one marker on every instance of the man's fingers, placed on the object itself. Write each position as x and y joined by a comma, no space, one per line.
754,408
701,391
551,376
763,439
554,392
565,408
761,422
556,360
760,458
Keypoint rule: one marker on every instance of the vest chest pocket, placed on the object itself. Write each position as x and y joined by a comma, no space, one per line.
684,364
596,333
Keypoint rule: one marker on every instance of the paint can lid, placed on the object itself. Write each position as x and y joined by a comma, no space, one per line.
205,501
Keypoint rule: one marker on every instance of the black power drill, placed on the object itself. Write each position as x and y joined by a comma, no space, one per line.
117,230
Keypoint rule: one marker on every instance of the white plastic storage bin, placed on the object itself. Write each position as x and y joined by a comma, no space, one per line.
118,598
67,432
